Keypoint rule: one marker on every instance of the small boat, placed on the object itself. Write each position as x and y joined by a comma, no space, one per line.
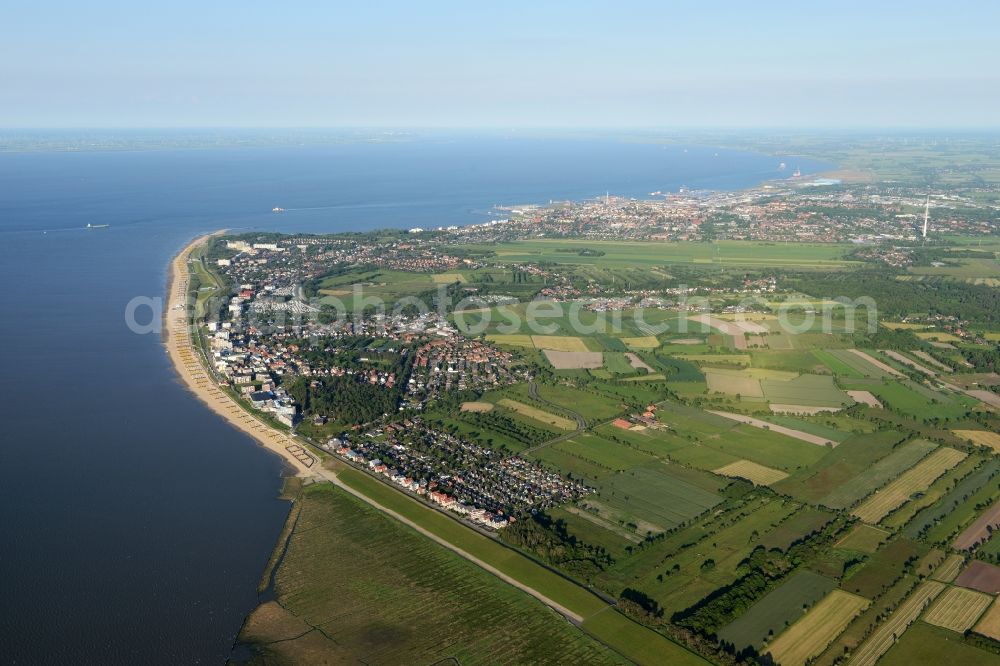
97,226
277,209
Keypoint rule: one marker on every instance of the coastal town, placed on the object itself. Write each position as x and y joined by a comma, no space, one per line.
626,391
298,341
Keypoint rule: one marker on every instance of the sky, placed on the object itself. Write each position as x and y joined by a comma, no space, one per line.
668,64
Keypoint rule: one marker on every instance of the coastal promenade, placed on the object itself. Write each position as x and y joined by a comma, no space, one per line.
186,359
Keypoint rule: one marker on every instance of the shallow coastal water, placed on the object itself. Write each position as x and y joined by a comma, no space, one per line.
136,522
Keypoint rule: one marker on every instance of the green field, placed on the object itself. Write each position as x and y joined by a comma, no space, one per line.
654,495
745,442
690,580
591,405
883,568
566,463
356,586
863,539
961,506
918,401
777,610
923,643
603,453
854,455
837,365
871,478
812,427
352,287
799,526
847,364
638,643
808,390
622,254
618,364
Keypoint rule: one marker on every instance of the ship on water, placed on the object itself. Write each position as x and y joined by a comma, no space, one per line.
277,209
97,226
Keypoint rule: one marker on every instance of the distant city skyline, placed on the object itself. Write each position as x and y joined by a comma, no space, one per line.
581,65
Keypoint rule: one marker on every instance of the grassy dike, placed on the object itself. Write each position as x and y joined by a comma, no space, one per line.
297,579
353,585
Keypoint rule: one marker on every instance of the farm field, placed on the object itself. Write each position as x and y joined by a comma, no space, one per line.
989,623
828,429
642,645
874,476
752,472
919,478
626,254
654,497
865,397
882,568
915,400
981,438
690,581
572,360
838,467
798,527
818,628
927,644
514,340
933,494
642,342
563,343
845,363
868,360
777,610
948,569
593,529
389,285
539,415
806,390
773,427
567,463
980,530
592,405
859,629
733,383
863,538
618,363
957,609
956,507
887,633
982,576
602,452
907,361
745,442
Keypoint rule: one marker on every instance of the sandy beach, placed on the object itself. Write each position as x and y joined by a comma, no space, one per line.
189,365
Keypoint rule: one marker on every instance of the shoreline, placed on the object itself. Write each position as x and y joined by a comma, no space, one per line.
188,365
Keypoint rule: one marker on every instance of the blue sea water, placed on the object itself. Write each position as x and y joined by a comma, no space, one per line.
136,523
